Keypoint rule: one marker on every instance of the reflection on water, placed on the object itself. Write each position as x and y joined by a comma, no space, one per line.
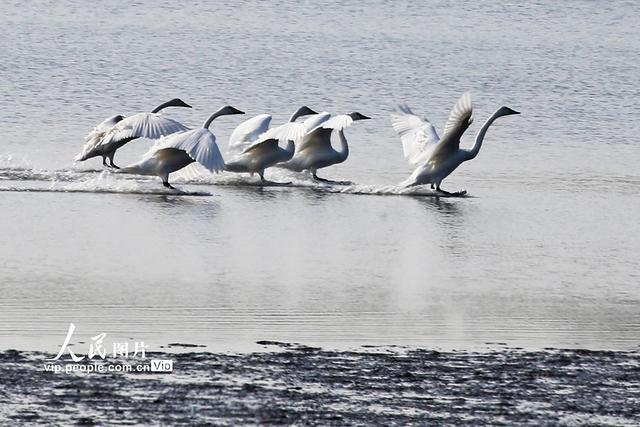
542,251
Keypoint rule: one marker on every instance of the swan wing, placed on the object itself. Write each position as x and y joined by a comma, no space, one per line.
461,116
290,131
315,120
416,134
338,122
199,144
95,137
267,145
459,120
320,137
144,125
102,128
249,131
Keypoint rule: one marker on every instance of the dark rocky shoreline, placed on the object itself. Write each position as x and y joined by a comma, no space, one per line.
310,386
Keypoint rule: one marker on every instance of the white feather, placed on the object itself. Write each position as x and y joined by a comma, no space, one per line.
338,122
249,131
416,134
199,144
462,110
94,138
316,120
143,125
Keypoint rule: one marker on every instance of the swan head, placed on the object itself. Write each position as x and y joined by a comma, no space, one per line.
177,102
228,110
506,111
116,119
358,116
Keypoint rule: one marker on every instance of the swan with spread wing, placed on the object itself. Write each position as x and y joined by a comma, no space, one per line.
315,151
179,150
106,138
262,150
434,158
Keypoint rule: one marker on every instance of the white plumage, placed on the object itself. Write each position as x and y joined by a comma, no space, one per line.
264,151
199,144
416,134
314,151
435,158
143,125
116,131
248,131
175,152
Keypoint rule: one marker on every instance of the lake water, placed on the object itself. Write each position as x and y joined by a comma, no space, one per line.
544,252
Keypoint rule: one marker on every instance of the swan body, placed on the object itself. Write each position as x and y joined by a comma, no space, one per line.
106,138
435,158
264,151
179,150
315,151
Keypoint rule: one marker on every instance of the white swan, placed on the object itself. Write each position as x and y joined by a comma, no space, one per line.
264,150
436,158
116,131
176,151
315,151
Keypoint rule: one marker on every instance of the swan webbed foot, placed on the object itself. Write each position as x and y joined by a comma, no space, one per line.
328,181
166,184
281,184
265,181
448,193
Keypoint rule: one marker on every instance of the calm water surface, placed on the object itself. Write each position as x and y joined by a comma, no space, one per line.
543,253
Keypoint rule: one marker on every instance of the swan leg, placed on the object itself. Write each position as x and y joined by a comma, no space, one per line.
166,184
113,165
433,186
328,181
104,161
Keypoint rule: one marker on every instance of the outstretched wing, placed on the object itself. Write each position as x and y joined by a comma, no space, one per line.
94,138
338,122
143,125
290,131
459,120
199,144
102,128
268,145
249,131
315,120
416,134
461,116
321,135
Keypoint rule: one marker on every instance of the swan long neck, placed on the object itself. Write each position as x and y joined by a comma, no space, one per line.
162,106
480,136
295,115
207,123
344,147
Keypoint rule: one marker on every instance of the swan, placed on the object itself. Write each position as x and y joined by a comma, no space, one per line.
116,131
434,158
264,151
252,129
315,151
178,150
